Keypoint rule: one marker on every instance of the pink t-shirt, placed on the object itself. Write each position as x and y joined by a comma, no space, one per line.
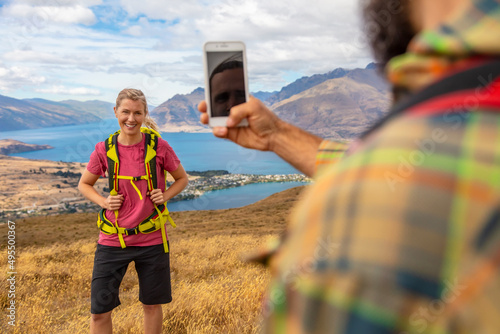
133,209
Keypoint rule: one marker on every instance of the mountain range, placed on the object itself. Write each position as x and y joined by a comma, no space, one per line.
339,104
16,114
339,108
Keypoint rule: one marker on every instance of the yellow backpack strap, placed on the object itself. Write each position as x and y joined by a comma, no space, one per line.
164,238
113,161
113,171
150,147
119,231
104,224
150,131
166,213
163,216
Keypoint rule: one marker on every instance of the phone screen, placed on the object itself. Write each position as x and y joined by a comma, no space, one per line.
226,81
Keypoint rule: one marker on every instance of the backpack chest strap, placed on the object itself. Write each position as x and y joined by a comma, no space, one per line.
132,179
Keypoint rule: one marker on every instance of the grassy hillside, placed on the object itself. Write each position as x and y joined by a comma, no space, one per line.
214,291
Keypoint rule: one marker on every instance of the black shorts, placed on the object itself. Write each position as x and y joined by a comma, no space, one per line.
110,265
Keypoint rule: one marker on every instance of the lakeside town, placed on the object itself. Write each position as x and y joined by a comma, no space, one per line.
201,182
58,194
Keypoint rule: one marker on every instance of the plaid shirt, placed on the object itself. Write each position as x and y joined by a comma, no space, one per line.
402,233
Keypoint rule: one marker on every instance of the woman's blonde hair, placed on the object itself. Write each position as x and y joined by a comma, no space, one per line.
137,95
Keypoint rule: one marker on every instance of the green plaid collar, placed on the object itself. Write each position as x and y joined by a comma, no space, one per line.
433,53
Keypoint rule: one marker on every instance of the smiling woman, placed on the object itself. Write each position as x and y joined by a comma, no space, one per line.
133,202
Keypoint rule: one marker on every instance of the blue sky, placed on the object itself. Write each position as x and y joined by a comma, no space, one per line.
91,49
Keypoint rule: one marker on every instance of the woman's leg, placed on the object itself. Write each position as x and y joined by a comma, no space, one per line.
153,269
153,319
101,323
110,265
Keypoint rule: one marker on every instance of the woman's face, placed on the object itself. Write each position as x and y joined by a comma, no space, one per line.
130,115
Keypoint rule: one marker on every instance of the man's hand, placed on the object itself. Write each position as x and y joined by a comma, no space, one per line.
263,124
113,202
156,196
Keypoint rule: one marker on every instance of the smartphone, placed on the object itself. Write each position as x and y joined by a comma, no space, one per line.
226,81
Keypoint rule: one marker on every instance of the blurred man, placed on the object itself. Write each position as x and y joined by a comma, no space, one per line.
400,233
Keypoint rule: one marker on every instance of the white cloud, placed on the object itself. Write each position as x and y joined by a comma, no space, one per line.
69,91
85,3
299,36
16,77
90,60
302,32
166,10
75,14
157,44
303,36
135,31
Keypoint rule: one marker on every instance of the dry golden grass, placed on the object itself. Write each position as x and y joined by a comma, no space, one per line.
214,291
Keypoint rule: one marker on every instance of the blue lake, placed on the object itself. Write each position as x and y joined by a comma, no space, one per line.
197,152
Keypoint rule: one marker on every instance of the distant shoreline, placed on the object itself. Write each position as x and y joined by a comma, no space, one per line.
11,146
